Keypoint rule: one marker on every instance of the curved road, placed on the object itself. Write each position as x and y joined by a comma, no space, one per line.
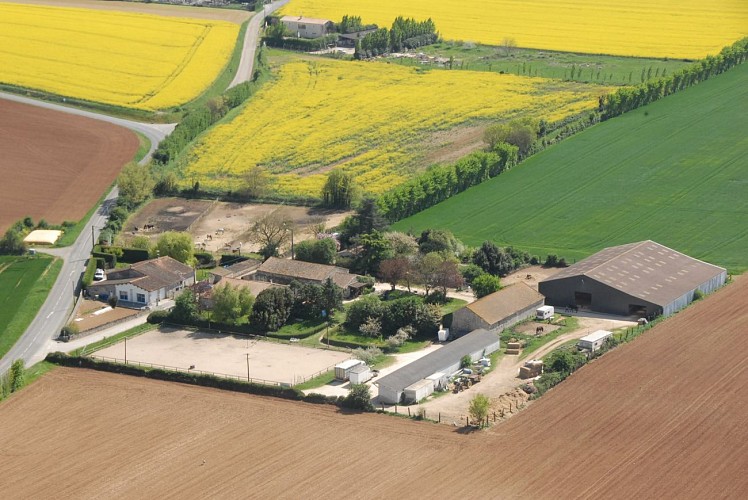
34,343
244,72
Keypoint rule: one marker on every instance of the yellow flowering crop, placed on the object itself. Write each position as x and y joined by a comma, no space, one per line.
125,59
655,28
370,118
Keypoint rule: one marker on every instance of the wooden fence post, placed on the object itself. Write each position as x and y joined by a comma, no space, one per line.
408,410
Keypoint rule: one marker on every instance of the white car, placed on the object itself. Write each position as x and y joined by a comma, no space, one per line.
99,275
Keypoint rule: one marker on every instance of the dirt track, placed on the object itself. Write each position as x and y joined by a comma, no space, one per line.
56,165
662,417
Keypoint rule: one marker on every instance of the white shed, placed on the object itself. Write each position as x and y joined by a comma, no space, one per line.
343,370
359,374
440,381
594,340
416,392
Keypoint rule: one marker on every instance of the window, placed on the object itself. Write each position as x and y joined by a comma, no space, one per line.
141,298
123,295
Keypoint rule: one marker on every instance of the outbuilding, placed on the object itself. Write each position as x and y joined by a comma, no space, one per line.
594,341
419,390
307,27
343,370
643,279
499,310
359,374
436,365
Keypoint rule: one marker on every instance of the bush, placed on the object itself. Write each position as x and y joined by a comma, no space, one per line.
158,317
548,380
88,274
358,398
369,355
478,408
205,260
466,361
18,375
69,330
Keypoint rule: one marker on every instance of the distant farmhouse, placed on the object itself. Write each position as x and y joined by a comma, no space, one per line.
307,27
643,279
145,283
497,311
284,271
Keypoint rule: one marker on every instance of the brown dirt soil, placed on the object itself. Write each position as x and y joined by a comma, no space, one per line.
661,417
56,165
234,16
87,320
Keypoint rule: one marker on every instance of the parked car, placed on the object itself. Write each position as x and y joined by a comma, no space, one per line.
99,275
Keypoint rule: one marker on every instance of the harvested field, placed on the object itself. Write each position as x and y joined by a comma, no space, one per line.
56,165
662,417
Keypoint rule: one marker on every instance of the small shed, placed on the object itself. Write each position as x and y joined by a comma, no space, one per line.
419,390
440,380
343,370
359,374
594,341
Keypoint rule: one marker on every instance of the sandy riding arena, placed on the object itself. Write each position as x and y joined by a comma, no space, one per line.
226,355
55,166
661,417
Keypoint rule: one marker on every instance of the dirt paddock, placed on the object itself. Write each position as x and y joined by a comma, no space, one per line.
221,226
660,417
226,354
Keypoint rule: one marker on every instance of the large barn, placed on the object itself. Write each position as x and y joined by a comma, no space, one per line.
643,279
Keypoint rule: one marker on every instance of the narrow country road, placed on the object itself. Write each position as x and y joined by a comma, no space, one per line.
244,72
155,132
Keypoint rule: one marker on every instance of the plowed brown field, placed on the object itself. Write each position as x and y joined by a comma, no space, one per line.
56,165
662,417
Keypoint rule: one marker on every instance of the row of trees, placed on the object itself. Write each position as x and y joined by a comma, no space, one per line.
269,311
385,318
627,99
405,33
443,181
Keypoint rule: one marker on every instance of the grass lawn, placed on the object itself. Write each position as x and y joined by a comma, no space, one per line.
24,285
533,343
616,70
673,172
317,381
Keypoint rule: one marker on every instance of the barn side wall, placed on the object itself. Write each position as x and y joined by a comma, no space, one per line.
605,299
465,321
707,287
518,316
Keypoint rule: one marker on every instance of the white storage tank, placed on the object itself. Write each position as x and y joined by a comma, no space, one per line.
359,374
443,334
342,370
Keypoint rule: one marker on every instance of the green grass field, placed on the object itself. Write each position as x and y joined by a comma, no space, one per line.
674,172
24,286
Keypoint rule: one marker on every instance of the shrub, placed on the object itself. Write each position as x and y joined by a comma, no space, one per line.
158,317
466,361
17,375
369,355
69,330
88,274
478,408
358,398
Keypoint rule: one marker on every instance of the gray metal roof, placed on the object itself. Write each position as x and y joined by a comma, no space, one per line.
438,360
646,270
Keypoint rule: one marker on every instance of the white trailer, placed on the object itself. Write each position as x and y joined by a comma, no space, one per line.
343,370
359,374
543,313
594,341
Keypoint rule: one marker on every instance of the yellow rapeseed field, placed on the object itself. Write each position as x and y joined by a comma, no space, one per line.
369,118
125,59
654,28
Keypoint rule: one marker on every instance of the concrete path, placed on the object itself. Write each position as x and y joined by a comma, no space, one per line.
251,37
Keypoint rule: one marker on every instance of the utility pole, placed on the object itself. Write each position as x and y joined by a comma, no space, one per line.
93,238
247,367
125,350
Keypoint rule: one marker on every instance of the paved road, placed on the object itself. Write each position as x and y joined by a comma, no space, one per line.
32,346
244,72
155,132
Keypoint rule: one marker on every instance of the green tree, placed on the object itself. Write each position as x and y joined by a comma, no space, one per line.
321,251
358,398
185,308
332,297
403,245
135,184
17,375
256,182
178,246
485,284
374,249
272,308
12,243
226,307
339,190
439,240
359,311
478,409
470,272
141,242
